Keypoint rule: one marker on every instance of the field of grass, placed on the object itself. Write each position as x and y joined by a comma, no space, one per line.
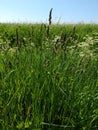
48,77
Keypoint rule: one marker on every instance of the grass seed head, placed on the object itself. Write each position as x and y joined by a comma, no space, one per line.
50,16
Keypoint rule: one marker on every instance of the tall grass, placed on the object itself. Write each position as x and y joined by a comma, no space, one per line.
48,79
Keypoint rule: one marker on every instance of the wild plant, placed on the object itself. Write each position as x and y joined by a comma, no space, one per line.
50,16
52,84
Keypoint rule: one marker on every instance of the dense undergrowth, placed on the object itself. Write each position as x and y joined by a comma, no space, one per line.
48,77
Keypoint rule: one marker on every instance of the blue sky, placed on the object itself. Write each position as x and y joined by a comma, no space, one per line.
65,11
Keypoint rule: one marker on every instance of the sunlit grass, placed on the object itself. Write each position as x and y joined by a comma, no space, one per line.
48,79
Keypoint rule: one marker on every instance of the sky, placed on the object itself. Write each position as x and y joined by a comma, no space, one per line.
37,11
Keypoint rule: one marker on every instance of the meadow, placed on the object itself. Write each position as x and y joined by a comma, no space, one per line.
48,76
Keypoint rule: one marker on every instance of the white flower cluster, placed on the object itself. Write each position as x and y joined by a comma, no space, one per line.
89,45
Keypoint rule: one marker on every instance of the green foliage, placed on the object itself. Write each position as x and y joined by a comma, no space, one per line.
48,77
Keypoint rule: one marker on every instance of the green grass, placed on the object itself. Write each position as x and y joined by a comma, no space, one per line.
48,78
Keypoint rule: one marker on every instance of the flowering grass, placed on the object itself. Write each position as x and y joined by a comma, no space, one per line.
48,77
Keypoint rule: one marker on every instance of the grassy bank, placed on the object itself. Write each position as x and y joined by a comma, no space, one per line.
48,77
